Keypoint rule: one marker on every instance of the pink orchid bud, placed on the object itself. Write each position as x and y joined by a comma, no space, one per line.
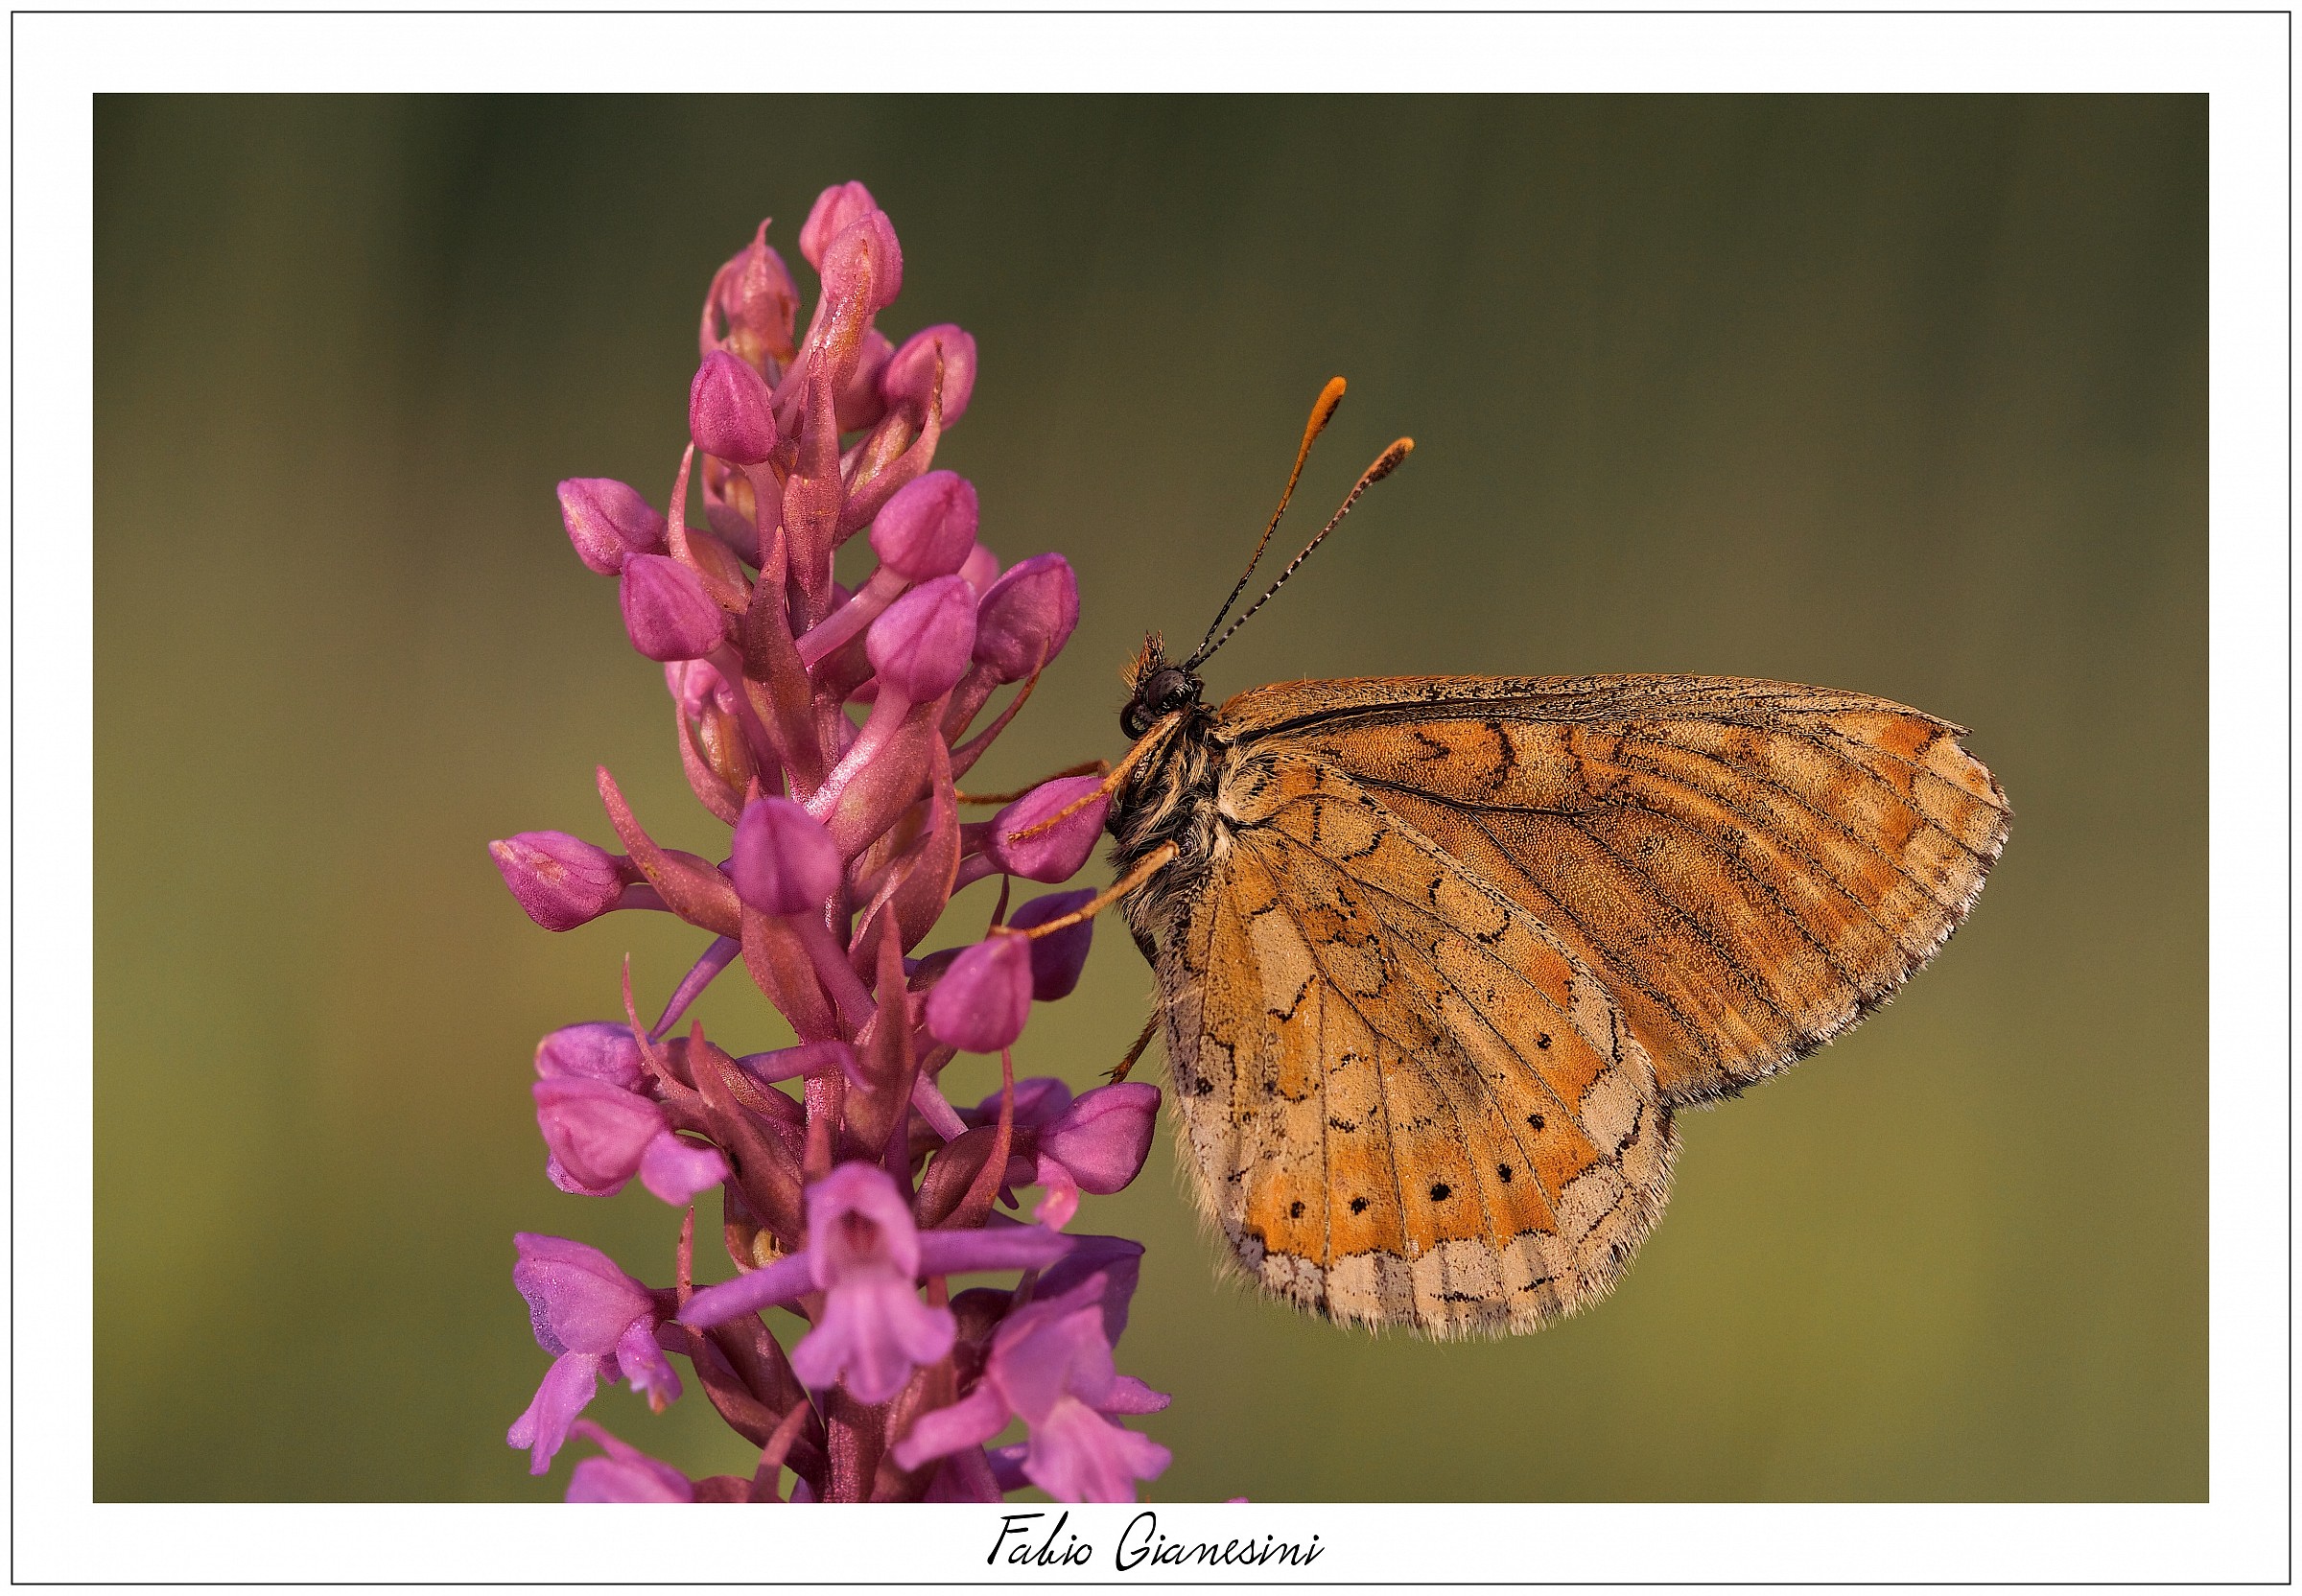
929,529
561,880
1056,854
607,520
596,1133
835,208
981,570
865,245
1105,1135
920,648
1027,616
753,295
1058,957
667,611
730,410
981,1004
859,403
596,1051
784,862
909,378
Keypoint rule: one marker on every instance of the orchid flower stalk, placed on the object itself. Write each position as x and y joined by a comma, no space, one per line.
852,1192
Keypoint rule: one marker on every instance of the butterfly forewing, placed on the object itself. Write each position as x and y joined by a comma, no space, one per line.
1748,865
1446,951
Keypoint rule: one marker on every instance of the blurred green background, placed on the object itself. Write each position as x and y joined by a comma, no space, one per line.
1899,394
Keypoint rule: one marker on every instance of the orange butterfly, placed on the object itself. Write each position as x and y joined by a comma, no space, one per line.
1438,957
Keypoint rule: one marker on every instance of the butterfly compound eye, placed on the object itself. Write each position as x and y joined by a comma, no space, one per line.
1164,692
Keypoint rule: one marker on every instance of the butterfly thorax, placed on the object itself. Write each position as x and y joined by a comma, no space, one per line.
1169,797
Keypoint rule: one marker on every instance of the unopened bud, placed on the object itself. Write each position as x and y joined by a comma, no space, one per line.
910,375
1056,854
1058,957
859,403
981,570
561,880
1104,1135
783,860
1027,616
753,294
929,529
597,1050
608,520
921,647
667,610
866,244
835,209
730,410
981,1002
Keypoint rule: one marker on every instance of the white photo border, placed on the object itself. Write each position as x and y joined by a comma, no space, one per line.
2240,61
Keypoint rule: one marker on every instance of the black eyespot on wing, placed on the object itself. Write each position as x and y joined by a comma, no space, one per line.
1442,1191
1358,1205
1294,1211
1504,1171
1535,1120
1542,1041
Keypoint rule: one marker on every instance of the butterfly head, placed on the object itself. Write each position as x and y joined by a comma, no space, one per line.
1155,688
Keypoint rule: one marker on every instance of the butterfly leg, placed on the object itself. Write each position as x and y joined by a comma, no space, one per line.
1119,1072
1097,768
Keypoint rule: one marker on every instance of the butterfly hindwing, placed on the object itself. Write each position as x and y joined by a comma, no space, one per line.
1747,866
1408,1103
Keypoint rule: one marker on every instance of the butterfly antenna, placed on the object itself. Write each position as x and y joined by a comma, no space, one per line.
1384,464
1323,410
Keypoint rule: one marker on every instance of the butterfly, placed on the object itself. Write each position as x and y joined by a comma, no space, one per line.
1439,958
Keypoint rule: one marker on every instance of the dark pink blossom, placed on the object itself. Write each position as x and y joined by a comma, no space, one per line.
866,1254
1050,1365
929,529
864,250
600,1135
699,689
751,305
920,648
598,1323
979,571
1114,1258
860,403
1095,1143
